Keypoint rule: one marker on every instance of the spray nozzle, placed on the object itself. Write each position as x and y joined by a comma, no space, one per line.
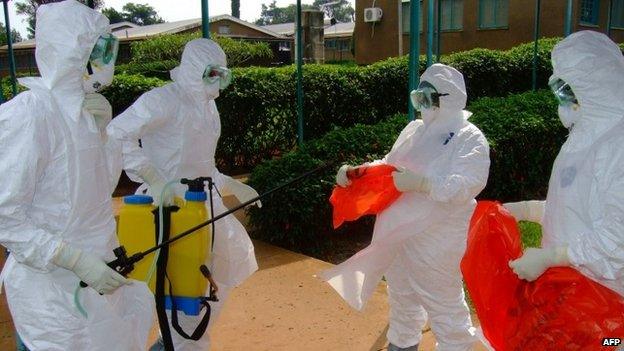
197,184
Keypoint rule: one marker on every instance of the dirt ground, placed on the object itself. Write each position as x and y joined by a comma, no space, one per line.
284,306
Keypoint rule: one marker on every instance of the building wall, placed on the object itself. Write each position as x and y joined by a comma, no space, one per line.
238,30
338,49
374,42
384,42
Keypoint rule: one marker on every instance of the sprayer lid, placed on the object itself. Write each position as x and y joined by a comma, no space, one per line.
199,196
138,200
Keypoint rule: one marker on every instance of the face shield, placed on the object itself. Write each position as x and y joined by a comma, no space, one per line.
563,92
214,73
425,96
101,65
569,110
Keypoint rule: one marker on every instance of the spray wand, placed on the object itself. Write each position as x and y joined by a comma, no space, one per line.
124,264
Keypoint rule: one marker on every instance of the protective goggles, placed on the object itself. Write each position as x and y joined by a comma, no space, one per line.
563,92
221,74
425,97
105,50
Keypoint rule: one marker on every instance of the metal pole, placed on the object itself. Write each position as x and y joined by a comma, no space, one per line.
205,19
538,6
439,24
609,18
414,61
567,26
10,46
430,14
400,26
299,52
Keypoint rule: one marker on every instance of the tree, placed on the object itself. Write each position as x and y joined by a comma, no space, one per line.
342,12
272,14
15,35
236,8
29,9
141,14
113,15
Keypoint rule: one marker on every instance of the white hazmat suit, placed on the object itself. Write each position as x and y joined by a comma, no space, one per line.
178,125
419,240
55,204
583,215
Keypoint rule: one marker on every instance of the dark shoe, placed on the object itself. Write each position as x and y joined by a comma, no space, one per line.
159,345
392,347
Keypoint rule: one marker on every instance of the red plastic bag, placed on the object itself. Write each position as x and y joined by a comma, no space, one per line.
561,310
371,192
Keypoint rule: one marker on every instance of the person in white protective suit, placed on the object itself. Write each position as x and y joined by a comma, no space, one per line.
178,125
418,242
583,215
56,214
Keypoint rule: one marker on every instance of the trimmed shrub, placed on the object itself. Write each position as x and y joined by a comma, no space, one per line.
520,65
152,69
524,134
485,71
127,88
169,47
307,227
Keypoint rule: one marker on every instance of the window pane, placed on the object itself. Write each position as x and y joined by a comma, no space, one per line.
406,17
446,15
502,13
493,13
589,11
486,13
458,14
617,14
452,14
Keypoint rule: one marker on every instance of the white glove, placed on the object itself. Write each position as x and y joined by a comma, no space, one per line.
535,262
342,179
532,211
242,191
90,269
157,184
406,180
102,111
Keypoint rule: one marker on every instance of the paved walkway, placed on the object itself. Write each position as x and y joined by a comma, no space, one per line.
284,307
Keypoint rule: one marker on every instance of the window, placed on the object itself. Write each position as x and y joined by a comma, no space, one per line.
285,46
452,14
617,14
405,14
493,14
224,29
589,12
330,44
344,45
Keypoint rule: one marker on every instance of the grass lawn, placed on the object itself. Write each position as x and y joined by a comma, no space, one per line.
531,237
531,234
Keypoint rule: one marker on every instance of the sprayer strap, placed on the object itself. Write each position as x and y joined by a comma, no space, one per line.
201,327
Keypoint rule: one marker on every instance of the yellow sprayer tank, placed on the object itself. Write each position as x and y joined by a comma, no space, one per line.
136,232
189,253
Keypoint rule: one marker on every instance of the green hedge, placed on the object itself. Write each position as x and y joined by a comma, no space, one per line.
151,69
125,89
169,47
524,135
259,108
